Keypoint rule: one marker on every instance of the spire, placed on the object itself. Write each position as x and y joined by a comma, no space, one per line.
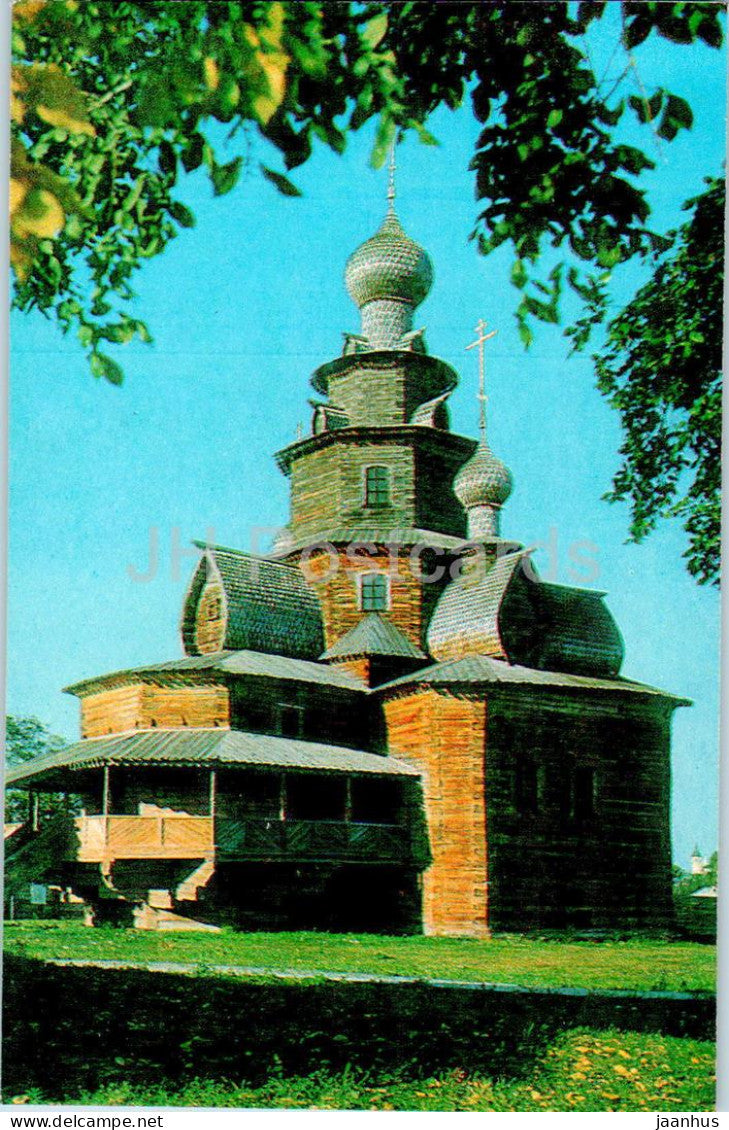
392,168
388,276
484,483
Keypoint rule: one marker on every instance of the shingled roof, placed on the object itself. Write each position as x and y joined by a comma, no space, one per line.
466,618
377,535
267,604
220,664
206,749
481,671
374,635
506,612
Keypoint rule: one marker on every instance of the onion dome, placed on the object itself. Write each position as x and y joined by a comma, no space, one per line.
387,277
482,486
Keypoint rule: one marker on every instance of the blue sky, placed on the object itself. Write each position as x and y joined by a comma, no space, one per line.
242,309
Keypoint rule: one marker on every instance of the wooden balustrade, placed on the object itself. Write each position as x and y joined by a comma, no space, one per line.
143,837
321,840
190,837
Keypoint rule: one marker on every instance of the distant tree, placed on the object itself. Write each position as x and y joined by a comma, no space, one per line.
686,883
661,370
26,738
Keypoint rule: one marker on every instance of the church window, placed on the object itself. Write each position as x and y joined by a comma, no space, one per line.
527,786
377,486
291,721
583,793
373,592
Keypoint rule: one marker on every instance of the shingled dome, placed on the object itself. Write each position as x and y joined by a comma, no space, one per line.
389,265
484,480
266,605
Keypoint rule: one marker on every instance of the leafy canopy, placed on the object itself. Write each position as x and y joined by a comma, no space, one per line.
112,102
661,370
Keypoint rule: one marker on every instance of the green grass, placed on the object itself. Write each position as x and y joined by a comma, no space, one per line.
581,1070
633,964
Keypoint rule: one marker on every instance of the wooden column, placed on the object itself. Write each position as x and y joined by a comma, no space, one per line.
213,791
348,799
282,797
33,811
105,803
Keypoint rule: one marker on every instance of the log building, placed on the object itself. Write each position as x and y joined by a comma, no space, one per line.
389,723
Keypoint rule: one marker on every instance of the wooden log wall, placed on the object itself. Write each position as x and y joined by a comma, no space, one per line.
444,736
209,621
145,705
552,867
338,589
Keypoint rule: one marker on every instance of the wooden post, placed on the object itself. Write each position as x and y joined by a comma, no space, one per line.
348,800
105,803
282,805
213,791
34,807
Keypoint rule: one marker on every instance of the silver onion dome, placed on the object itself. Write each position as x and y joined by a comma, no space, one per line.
482,486
484,480
389,266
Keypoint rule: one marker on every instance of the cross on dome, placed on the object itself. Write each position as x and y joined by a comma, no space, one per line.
484,483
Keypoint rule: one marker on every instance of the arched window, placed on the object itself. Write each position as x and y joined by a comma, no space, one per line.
373,592
377,486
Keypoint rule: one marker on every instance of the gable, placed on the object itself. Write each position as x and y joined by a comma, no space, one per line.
264,606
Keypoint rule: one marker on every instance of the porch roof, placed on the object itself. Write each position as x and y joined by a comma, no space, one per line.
203,749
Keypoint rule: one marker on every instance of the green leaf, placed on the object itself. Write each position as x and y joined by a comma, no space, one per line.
225,177
183,215
192,154
374,31
554,118
167,159
526,335
282,183
103,366
383,140
425,136
710,31
679,111
519,275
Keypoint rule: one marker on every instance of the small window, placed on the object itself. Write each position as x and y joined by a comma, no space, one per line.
527,786
214,608
291,719
583,793
377,486
373,592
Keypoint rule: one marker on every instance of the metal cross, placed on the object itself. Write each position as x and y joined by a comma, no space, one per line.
482,397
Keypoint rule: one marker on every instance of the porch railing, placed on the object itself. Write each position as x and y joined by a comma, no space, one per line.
143,837
322,840
230,840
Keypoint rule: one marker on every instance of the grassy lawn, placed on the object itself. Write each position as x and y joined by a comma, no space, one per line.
633,964
581,1070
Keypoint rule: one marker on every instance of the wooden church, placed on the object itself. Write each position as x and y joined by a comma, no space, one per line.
390,723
